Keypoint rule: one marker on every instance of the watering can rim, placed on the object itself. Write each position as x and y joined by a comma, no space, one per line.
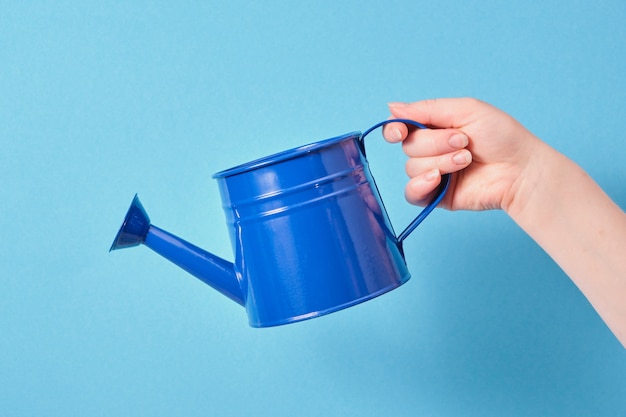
284,155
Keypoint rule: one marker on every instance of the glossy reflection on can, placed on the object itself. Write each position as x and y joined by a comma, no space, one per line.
309,231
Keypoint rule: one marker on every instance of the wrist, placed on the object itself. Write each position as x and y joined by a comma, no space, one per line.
536,170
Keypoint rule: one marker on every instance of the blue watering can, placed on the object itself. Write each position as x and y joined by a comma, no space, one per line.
309,232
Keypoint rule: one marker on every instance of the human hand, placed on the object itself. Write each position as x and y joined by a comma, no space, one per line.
487,151
497,163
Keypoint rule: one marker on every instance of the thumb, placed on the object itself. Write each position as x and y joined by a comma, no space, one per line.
442,113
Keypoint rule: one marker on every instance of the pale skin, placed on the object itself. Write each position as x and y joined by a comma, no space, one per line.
496,163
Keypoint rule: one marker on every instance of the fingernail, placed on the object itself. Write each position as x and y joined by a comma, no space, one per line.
463,157
431,175
458,140
394,134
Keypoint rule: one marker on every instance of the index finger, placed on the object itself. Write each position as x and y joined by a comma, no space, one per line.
395,132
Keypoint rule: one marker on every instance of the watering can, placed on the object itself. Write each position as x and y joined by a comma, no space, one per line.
309,233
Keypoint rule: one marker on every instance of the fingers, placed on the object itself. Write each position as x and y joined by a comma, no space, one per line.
441,149
433,152
447,163
431,142
395,132
419,189
425,142
425,171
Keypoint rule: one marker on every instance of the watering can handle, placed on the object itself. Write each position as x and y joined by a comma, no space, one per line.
441,189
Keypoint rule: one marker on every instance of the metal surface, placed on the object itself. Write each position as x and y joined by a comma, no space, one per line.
309,232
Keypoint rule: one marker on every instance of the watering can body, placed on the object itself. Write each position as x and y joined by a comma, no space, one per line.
308,229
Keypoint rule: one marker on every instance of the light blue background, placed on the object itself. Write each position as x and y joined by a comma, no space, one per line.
99,100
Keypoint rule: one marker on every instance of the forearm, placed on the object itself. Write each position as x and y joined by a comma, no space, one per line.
580,227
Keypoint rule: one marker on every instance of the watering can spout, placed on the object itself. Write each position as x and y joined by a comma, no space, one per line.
212,270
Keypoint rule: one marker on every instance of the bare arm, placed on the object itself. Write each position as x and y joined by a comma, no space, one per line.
498,164
579,226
